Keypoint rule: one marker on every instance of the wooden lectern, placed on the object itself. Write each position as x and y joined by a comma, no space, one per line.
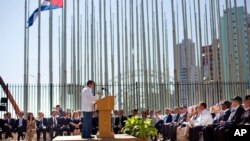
105,106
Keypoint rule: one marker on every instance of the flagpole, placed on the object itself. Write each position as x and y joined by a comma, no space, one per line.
78,43
64,55
25,94
51,55
100,21
105,50
92,41
74,46
138,45
149,60
159,56
39,59
118,58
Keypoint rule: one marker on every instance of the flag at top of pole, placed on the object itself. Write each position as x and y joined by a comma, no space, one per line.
45,6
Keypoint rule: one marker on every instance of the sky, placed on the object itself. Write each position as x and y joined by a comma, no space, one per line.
12,37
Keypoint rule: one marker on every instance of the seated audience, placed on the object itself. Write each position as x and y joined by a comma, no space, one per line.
31,126
235,118
221,114
64,123
41,126
203,119
75,124
119,122
54,125
21,126
9,125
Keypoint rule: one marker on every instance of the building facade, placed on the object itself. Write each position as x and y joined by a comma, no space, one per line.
233,45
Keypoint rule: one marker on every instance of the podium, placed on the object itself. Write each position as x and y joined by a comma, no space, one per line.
104,106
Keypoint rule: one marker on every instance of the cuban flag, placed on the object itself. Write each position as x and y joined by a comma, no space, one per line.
44,6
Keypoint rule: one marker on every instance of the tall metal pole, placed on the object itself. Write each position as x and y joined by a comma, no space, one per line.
144,55
176,72
163,57
64,61
100,20
25,94
112,48
51,54
78,43
118,54
159,55
200,40
149,61
105,48
92,42
50,44
39,59
138,46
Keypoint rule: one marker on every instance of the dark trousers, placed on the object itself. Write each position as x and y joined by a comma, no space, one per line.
87,124
194,133
20,131
165,130
172,132
38,132
8,131
52,130
209,134
64,128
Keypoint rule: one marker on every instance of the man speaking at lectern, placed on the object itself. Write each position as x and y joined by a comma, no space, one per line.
88,101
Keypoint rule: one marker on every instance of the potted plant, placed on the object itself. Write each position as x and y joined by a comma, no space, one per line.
140,128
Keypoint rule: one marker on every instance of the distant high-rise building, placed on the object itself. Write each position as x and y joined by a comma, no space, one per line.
186,76
233,45
209,60
182,60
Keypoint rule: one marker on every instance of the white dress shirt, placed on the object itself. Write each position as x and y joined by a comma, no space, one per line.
88,100
204,118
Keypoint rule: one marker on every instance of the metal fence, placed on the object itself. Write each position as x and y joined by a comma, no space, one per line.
137,95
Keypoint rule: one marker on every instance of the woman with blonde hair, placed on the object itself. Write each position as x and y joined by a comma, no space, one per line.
75,123
31,126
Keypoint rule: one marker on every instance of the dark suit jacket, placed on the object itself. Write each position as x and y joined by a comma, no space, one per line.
235,116
117,120
45,123
177,118
225,116
169,119
64,121
50,123
2,122
11,122
245,117
24,124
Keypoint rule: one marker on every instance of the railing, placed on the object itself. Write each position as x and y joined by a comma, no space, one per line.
138,95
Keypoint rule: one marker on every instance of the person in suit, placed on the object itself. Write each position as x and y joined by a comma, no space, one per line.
21,126
119,122
9,125
234,119
42,126
223,115
167,119
2,122
54,125
173,127
175,116
204,118
64,122
31,126
245,119
75,123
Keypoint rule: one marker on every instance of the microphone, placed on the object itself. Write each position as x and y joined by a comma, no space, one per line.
107,92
